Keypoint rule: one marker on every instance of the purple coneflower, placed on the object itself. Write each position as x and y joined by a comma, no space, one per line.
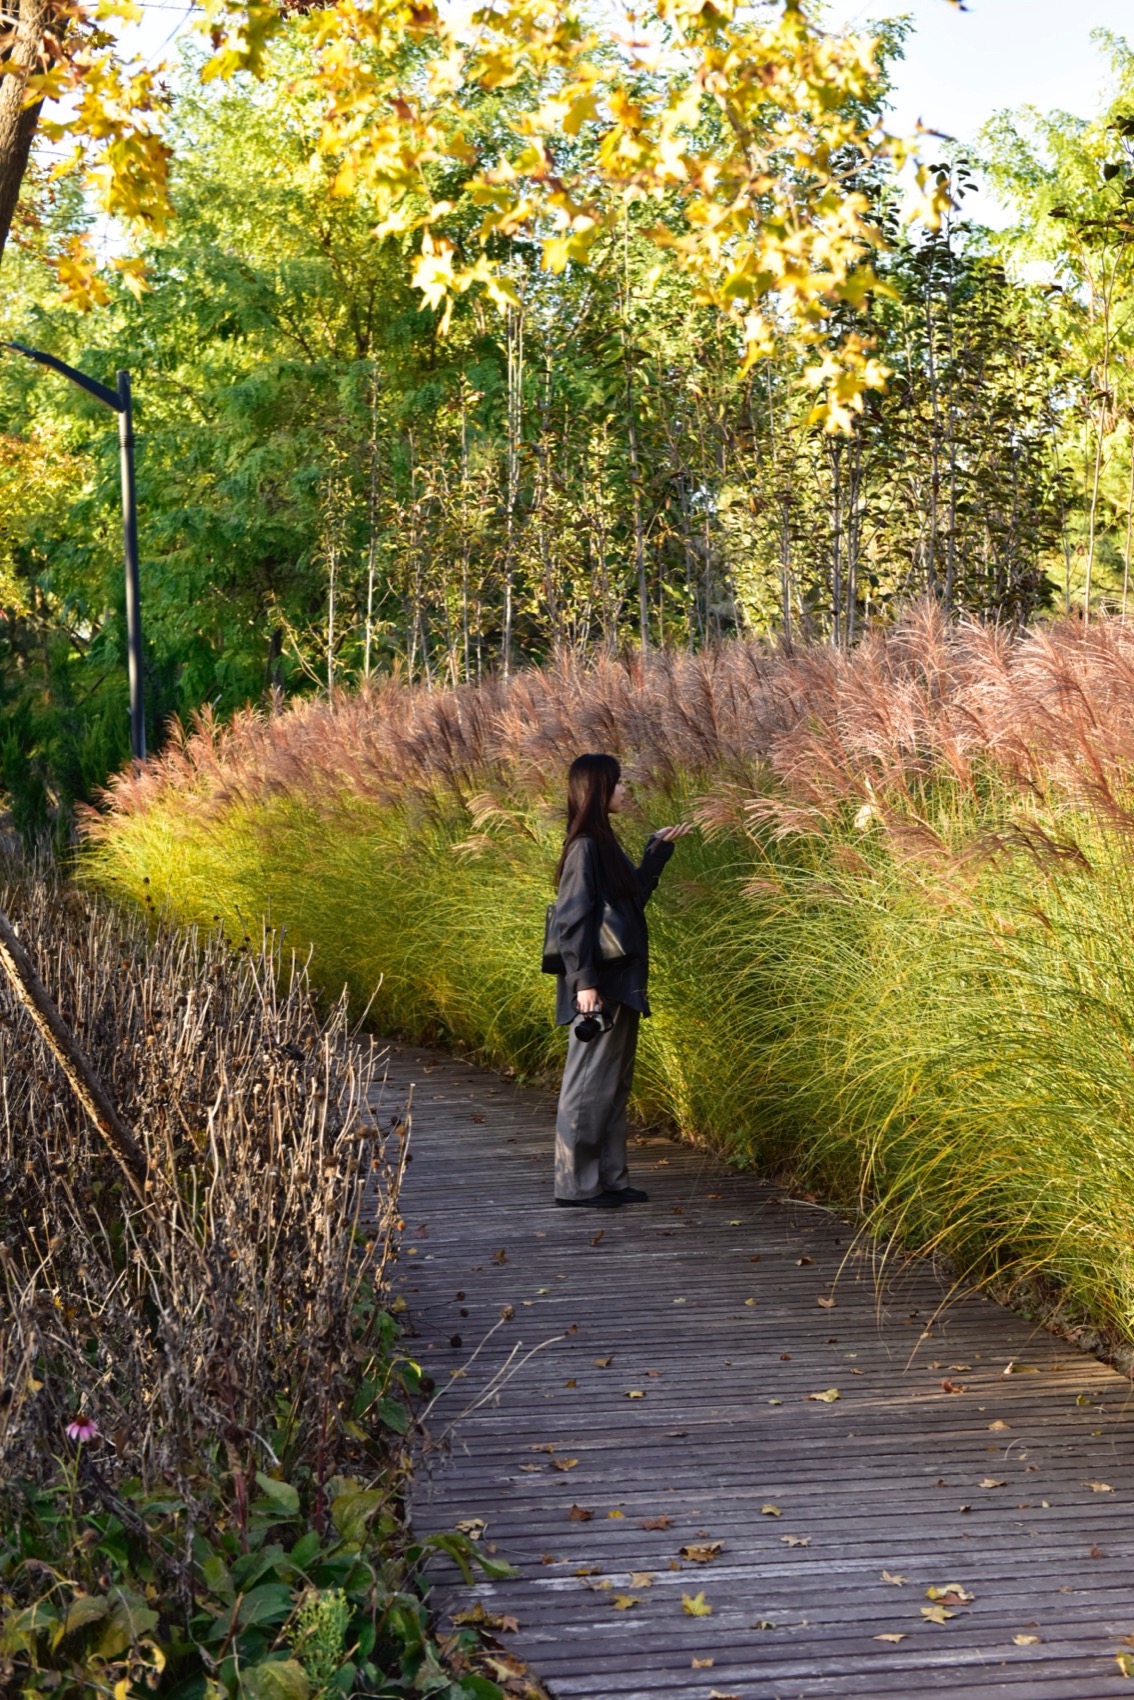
82,1428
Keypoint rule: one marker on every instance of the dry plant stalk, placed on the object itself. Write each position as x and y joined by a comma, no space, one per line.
235,1304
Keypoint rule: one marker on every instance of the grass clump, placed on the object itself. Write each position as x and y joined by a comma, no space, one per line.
895,964
204,1403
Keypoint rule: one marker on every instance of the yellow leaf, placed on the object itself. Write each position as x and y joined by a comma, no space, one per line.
898,1581
623,1602
696,1605
1099,1487
796,1540
827,1398
951,1592
991,1482
894,1638
936,1614
701,1664
770,1511
635,1393
1125,1663
641,1579
1025,1640
701,1554
616,1513
563,1463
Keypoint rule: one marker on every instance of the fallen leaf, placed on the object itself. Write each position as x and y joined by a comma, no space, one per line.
750,1302
601,1587
588,1570
936,1614
595,1238
1025,1640
796,1540
604,1363
623,1602
701,1554
825,1304
997,1427
544,1446
563,1463
991,1482
948,1386
950,1594
510,1625
1096,1551
530,1467
635,1393
775,1401
770,1511
898,1581
736,1223
1125,1663
473,1527
719,1694
577,1514
662,1522
701,1664
571,1383
762,1623
641,1579
500,1256
507,1312
802,1262
696,1605
827,1398
1020,1369
616,1513
679,1301
892,1638
1099,1487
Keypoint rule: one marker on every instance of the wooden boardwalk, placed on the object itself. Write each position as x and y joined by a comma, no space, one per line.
665,1444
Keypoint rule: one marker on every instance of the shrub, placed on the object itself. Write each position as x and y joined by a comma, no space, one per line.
203,1402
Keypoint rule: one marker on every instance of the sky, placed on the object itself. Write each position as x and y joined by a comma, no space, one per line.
962,67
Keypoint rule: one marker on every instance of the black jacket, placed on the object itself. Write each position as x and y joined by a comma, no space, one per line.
579,905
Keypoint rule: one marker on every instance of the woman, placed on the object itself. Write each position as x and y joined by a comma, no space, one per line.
590,1126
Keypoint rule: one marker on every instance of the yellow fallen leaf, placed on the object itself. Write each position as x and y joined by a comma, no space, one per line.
951,1593
796,1540
827,1398
1125,1663
936,1614
641,1579
616,1513
719,1694
898,1581
825,1304
623,1602
701,1664
770,1511
635,1393
563,1463
701,1554
1099,1487
603,1363
696,1605
750,1301
1025,1640
997,1427
894,1638
775,1401
991,1482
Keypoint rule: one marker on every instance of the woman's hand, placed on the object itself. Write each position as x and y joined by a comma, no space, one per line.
669,833
588,1001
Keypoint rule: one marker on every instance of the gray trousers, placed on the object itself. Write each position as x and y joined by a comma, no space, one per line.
590,1123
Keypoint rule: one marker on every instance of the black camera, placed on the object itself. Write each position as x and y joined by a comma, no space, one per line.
590,1026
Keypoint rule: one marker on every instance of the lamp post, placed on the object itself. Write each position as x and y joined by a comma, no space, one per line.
120,401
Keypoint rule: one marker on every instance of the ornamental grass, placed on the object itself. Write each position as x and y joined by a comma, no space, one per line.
895,962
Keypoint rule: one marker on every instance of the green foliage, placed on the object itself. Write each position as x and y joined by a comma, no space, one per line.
288,1600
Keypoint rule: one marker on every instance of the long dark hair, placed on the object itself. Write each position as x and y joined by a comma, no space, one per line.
591,781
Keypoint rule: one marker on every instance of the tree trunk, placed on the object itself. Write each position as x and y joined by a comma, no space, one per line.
18,123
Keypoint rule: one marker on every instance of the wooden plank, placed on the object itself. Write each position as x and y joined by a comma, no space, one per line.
878,1480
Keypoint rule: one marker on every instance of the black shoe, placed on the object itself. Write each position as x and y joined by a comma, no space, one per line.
630,1194
600,1201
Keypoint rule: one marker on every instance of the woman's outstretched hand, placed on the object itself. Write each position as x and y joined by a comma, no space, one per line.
669,833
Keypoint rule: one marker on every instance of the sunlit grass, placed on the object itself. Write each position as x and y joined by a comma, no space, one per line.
922,1004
